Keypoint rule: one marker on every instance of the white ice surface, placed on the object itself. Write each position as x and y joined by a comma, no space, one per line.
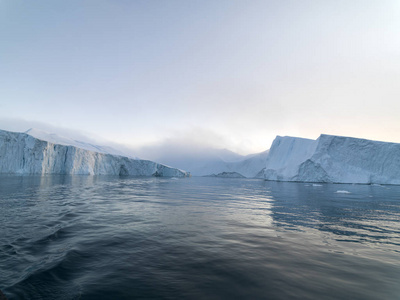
21,153
333,159
62,140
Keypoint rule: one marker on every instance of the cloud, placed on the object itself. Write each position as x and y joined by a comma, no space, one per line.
177,142
22,125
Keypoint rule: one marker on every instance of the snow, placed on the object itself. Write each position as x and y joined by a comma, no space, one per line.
62,140
333,159
21,153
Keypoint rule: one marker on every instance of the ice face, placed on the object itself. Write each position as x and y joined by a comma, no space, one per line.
333,159
66,141
21,153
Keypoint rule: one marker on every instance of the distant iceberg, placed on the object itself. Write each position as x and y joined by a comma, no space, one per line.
211,161
333,159
227,175
21,153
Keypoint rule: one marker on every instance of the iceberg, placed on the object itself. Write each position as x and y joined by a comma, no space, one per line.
21,153
208,164
334,159
62,140
227,175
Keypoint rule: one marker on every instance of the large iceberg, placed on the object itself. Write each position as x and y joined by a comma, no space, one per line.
67,141
21,153
334,159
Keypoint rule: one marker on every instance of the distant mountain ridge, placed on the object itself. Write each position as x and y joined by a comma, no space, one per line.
210,162
227,175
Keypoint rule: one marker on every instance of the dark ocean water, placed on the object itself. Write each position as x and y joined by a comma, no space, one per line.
83,237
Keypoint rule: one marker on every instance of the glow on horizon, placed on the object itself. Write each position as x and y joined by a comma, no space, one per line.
229,74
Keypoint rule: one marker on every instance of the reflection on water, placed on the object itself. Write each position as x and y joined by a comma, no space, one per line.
363,214
88,237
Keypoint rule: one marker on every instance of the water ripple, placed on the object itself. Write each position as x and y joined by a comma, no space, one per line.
88,237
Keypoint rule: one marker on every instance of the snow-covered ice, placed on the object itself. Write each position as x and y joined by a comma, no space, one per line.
63,140
21,153
333,159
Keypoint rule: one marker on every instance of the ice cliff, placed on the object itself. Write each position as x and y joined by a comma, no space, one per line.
333,159
21,153
66,141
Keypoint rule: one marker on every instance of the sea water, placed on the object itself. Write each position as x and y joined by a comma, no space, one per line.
88,237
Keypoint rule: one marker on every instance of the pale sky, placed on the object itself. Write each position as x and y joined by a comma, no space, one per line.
229,74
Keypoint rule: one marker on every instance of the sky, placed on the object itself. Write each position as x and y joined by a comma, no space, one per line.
225,74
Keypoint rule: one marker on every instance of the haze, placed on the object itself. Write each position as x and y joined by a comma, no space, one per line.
226,74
